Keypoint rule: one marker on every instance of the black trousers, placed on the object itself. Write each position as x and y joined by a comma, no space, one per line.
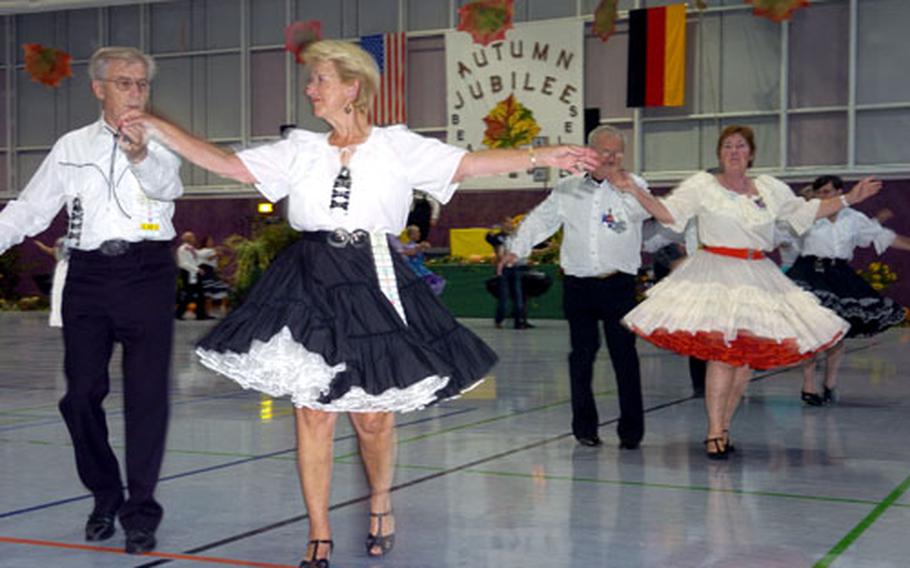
126,299
510,289
588,302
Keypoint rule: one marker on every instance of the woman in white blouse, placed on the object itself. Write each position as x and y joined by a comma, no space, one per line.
337,323
727,303
823,268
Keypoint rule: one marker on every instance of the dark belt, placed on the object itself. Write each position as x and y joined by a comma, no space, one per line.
119,247
819,263
339,238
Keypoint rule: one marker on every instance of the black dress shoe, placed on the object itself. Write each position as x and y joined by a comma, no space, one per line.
628,445
139,541
100,526
590,442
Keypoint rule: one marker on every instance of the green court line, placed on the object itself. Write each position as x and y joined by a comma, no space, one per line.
647,485
864,524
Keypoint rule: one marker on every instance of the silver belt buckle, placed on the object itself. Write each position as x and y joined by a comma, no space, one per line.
340,238
114,247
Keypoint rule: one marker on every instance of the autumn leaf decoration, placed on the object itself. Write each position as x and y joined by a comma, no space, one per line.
509,124
299,35
776,10
486,20
46,65
605,19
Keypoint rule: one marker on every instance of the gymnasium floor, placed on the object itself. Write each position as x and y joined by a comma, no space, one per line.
493,479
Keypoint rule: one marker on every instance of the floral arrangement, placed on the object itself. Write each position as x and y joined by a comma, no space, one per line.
879,275
776,10
509,124
299,35
250,257
47,65
486,20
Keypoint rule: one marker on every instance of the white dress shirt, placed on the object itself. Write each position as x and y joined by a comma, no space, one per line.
384,171
133,204
602,227
838,239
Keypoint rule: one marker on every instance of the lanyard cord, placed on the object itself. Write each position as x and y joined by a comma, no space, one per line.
111,184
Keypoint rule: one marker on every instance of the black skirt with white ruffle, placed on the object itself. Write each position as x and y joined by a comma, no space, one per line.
319,327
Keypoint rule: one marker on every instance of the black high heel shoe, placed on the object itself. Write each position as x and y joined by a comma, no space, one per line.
721,451
811,398
384,543
729,445
312,562
829,396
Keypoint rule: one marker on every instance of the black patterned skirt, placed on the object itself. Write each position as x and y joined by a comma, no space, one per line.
346,327
842,290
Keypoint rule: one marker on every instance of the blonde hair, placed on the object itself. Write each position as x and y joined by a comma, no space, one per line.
97,66
352,64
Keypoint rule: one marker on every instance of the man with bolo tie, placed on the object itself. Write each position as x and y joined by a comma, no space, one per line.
600,255
119,190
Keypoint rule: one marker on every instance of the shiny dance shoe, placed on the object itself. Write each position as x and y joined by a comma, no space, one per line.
716,449
728,443
811,398
99,526
830,396
312,562
139,541
384,543
591,442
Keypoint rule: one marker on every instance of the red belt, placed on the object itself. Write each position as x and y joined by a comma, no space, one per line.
749,254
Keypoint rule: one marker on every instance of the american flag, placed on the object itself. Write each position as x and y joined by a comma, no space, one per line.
389,51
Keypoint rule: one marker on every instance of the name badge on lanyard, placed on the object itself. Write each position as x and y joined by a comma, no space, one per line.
150,221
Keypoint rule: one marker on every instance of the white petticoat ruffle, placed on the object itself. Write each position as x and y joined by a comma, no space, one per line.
282,367
715,293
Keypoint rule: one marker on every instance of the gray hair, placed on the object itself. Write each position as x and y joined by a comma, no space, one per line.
97,67
606,130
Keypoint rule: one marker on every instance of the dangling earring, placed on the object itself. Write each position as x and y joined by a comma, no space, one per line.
348,108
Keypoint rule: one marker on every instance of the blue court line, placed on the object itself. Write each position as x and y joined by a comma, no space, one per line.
113,413
225,465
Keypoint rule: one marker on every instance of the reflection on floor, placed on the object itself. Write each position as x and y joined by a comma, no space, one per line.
492,479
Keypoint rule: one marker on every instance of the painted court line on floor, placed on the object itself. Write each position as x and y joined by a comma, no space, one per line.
419,480
437,474
220,466
442,473
112,550
838,549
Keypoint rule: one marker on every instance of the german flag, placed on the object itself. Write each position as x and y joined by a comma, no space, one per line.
657,56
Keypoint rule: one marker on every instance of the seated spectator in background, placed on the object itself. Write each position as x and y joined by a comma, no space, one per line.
214,288
189,274
509,278
413,252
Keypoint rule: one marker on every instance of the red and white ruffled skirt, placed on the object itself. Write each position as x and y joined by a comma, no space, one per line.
735,310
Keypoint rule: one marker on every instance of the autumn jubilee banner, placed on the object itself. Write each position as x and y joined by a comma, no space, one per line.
522,90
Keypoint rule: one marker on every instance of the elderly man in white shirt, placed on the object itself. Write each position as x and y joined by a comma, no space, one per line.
600,255
119,190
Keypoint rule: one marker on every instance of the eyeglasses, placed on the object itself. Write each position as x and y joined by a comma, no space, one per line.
126,84
611,153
